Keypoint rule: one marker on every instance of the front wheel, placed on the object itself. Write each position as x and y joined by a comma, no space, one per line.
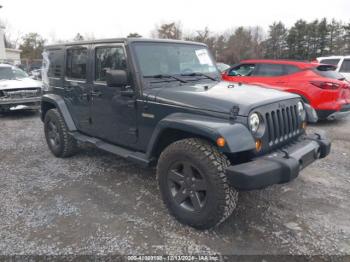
193,184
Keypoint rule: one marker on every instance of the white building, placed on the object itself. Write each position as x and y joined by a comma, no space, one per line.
8,54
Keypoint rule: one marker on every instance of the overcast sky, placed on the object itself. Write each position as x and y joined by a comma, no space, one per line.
62,19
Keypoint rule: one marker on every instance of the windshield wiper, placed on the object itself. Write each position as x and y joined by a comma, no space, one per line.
166,76
200,74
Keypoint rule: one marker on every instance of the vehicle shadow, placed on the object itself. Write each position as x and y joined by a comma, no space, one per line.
18,114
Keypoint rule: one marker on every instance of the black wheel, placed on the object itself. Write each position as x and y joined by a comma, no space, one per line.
193,184
60,142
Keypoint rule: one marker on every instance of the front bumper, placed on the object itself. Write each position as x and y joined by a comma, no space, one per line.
30,101
278,167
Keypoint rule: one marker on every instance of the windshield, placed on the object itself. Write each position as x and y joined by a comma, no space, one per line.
10,73
173,59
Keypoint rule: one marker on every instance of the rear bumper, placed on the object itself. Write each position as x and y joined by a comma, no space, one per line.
278,167
332,114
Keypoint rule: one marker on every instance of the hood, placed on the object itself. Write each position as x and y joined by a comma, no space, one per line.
19,83
221,97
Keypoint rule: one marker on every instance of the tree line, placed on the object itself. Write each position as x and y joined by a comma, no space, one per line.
302,41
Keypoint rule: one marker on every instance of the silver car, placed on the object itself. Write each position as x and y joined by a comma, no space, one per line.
17,89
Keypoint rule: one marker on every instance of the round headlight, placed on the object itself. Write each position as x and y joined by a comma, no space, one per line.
301,111
254,122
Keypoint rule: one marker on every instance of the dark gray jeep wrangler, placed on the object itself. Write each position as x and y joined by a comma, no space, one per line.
161,102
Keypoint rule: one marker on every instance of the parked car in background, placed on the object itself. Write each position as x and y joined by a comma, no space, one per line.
35,74
222,67
341,62
17,89
319,85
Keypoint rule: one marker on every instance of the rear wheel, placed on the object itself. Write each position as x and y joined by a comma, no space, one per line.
60,142
193,184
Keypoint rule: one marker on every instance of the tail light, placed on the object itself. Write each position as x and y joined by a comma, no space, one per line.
325,85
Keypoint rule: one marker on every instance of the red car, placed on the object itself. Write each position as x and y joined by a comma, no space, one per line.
319,85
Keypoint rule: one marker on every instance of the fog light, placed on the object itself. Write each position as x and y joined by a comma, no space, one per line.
221,142
258,145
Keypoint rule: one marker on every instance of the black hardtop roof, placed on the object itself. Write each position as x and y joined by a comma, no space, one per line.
122,40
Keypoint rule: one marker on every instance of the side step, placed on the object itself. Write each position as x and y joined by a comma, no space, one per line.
137,157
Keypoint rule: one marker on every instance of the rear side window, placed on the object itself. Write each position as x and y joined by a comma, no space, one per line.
290,69
330,61
242,70
55,63
108,58
77,63
345,67
269,70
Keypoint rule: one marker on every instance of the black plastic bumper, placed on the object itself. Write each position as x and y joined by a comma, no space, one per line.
280,166
332,114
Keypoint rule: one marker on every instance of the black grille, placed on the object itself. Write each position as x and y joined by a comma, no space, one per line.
282,124
21,93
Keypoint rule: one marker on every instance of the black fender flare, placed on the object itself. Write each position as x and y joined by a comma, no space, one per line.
237,136
59,103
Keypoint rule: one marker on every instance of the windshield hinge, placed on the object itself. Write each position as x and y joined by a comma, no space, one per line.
234,112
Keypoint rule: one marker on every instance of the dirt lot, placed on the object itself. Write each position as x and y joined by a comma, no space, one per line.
98,203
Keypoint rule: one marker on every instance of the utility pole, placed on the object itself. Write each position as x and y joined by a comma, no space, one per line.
2,42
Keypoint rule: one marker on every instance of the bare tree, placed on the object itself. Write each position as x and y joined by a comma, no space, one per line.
78,37
168,31
134,35
12,36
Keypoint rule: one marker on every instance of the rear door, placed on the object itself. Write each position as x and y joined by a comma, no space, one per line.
76,86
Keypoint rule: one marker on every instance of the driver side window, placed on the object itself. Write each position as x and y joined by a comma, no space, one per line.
242,70
108,58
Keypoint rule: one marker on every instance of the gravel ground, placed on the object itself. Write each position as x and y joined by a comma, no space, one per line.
97,203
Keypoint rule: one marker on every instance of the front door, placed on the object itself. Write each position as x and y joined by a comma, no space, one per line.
76,87
113,114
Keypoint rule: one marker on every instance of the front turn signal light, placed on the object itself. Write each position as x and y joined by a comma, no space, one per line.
220,142
258,145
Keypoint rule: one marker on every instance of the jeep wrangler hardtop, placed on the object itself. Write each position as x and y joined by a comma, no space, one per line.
161,102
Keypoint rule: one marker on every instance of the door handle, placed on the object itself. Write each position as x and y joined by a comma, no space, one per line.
127,93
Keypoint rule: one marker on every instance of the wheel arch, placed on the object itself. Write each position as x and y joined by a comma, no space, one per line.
50,101
183,125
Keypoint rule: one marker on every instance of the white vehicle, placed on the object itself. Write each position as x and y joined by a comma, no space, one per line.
18,90
342,63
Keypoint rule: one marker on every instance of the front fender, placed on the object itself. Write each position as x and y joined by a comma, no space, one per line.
59,103
238,137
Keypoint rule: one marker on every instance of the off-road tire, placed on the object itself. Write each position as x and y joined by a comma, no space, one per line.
222,199
67,144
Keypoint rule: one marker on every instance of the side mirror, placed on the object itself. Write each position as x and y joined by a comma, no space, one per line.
116,78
